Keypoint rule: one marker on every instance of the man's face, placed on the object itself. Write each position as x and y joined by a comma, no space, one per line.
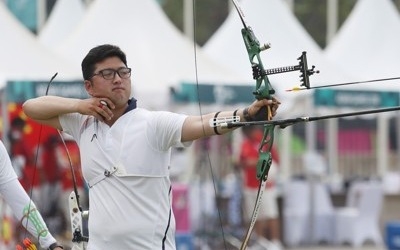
111,79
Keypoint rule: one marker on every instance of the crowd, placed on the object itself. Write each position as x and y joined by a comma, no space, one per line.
45,173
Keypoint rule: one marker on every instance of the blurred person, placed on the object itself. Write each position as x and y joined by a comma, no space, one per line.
125,151
21,155
22,206
267,225
50,182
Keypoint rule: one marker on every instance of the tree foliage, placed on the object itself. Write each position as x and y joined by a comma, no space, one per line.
210,14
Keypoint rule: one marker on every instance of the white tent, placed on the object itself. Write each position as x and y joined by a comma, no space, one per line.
274,23
63,19
157,51
24,58
367,44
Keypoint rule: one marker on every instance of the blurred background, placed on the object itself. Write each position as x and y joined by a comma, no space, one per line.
336,182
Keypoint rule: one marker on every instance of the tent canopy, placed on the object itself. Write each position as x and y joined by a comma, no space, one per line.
157,51
367,44
24,58
59,23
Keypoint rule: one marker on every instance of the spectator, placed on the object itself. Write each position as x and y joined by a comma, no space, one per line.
268,216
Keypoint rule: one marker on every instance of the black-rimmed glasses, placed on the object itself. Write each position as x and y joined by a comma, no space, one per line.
109,74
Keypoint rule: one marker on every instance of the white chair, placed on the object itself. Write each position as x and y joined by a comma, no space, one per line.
359,221
323,212
296,210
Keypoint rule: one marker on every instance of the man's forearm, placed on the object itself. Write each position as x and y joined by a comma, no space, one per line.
47,107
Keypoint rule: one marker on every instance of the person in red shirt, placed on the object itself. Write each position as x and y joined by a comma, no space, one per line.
22,156
268,216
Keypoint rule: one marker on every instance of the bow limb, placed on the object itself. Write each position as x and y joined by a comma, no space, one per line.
263,166
76,213
263,90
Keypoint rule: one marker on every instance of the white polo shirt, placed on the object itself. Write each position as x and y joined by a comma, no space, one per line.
130,209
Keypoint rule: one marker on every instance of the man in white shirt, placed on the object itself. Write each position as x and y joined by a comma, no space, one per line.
125,151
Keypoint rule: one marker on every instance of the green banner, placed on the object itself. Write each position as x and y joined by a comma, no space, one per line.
213,94
355,99
20,91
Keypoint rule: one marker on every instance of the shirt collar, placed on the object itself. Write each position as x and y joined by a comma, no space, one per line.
131,105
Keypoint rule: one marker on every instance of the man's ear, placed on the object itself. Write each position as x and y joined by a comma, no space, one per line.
88,86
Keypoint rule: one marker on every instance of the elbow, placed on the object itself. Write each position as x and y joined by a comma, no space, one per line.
27,108
32,110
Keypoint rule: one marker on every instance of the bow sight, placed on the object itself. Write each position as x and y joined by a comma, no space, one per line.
302,67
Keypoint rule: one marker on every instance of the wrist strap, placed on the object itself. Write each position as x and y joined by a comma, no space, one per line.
54,245
216,127
246,115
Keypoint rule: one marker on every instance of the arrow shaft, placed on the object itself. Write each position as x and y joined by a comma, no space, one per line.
349,83
287,122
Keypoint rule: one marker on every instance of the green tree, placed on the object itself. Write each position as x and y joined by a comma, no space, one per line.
210,14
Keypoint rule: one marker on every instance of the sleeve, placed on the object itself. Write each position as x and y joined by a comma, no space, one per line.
26,212
7,172
71,124
167,127
24,209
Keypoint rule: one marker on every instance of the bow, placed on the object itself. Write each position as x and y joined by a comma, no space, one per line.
27,242
76,212
264,90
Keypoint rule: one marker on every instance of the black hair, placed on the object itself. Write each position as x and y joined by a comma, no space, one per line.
98,54
246,130
18,123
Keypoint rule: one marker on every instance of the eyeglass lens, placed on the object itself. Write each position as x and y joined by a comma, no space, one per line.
109,74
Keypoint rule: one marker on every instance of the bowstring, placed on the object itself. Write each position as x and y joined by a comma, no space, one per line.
35,167
202,121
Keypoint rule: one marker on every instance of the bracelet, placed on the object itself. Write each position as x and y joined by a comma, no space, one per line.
246,115
54,245
216,128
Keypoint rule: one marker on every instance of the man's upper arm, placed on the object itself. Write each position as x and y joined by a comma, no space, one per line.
52,122
192,129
